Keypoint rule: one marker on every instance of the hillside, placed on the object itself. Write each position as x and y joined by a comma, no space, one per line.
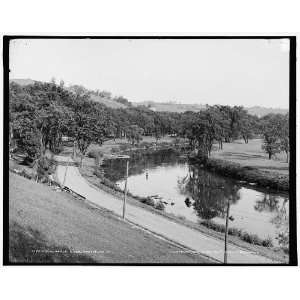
107,101
165,106
170,106
68,230
179,108
262,111
22,81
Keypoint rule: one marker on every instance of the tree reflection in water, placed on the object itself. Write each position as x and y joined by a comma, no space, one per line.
210,193
275,204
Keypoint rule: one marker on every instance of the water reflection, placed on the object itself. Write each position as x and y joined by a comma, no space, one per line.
139,163
194,193
209,192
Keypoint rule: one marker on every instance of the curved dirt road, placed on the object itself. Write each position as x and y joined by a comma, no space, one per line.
158,224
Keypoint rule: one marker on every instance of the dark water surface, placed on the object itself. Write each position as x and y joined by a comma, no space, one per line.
196,194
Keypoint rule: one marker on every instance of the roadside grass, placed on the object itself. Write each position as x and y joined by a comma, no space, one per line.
27,245
243,235
71,231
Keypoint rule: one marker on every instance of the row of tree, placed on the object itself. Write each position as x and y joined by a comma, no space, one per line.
41,114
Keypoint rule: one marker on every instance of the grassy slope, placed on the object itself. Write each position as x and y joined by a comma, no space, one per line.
108,102
252,155
42,219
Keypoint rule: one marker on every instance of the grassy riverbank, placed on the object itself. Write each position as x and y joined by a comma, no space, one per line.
50,226
252,155
248,162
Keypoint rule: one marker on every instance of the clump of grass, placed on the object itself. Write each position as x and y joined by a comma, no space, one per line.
243,235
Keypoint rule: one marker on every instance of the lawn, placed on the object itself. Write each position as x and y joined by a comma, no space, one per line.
50,226
252,155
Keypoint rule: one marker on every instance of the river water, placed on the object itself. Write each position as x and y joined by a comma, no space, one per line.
196,194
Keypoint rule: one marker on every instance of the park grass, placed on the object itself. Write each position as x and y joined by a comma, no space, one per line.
68,230
248,162
252,155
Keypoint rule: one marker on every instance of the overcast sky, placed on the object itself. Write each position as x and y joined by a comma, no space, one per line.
233,72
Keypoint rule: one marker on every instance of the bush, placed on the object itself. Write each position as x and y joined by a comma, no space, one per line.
149,201
94,153
115,150
267,242
124,147
159,205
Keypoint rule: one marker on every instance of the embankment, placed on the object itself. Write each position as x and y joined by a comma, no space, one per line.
251,175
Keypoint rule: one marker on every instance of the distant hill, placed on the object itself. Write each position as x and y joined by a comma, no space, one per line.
164,106
107,101
177,107
262,111
170,106
23,81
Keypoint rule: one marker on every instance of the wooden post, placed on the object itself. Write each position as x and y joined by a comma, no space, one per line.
226,231
125,190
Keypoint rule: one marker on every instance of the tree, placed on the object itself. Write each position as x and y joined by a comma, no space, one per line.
246,126
273,131
134,134
88,126
284,139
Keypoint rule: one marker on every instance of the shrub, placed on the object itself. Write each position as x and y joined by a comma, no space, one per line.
94,153
115,150
267,242
159,205
149,201
124,147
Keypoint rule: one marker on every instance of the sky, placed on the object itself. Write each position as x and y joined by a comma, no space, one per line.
229,72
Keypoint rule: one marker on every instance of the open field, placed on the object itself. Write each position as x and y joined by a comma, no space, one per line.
71,231
252,155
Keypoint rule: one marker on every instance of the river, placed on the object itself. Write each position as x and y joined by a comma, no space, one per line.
196,194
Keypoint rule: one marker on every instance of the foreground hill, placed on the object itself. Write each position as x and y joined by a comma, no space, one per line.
49,226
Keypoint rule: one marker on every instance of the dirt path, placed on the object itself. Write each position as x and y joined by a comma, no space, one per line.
158,224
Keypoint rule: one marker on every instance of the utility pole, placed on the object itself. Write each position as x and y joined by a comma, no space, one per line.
125,190
226,231
74,153
65,174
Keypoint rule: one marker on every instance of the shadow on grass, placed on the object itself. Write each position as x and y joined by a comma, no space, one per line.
27,245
